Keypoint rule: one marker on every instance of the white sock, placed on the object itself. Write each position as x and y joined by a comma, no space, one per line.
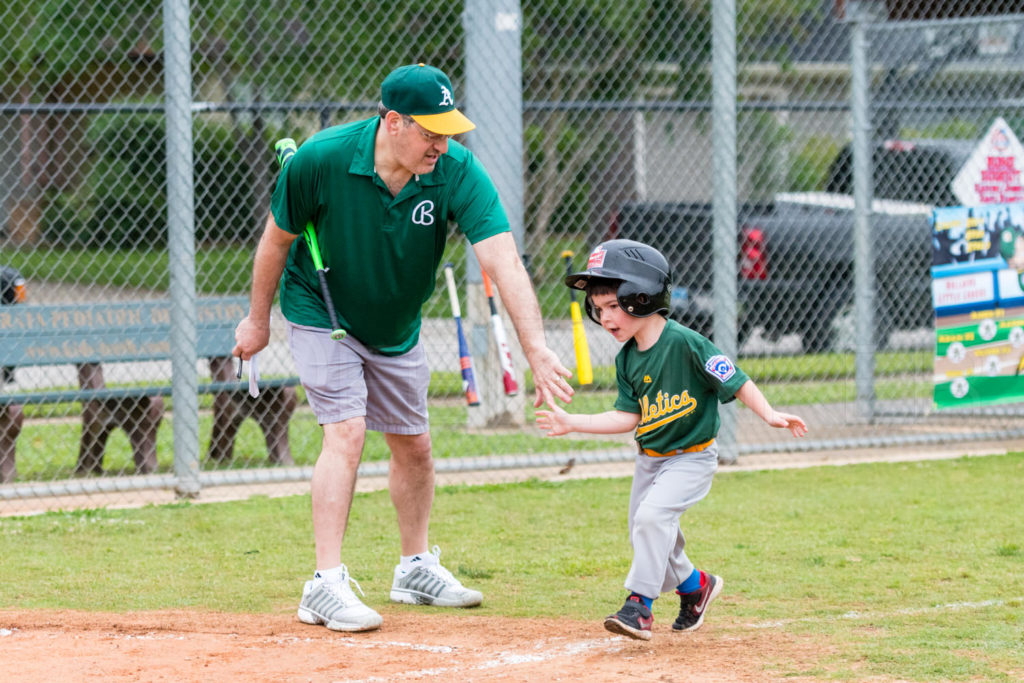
410,562
332,575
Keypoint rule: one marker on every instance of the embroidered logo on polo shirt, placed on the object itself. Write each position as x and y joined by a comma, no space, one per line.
423,213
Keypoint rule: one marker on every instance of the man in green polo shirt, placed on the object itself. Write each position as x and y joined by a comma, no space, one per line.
380,194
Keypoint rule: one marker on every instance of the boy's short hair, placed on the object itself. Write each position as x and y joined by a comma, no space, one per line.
602,285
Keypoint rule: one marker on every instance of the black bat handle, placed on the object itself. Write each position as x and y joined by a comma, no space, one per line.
322,274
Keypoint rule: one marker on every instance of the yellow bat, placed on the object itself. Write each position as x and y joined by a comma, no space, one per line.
584,372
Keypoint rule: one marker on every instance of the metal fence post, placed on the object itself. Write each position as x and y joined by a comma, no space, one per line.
723,143
494,101
864,269
181,245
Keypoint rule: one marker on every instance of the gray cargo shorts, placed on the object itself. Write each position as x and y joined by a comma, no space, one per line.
346,379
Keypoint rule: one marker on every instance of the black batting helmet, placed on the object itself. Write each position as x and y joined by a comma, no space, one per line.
642,270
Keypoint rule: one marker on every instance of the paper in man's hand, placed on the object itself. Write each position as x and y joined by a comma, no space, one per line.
254,377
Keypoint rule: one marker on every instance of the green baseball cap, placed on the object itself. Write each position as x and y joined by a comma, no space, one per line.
424,93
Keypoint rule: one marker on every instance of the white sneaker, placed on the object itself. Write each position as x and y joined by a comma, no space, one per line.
333,604
432,584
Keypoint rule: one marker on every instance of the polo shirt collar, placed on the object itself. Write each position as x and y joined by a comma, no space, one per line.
362,160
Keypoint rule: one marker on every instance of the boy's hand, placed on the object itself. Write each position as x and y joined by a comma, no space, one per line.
555,421
793,423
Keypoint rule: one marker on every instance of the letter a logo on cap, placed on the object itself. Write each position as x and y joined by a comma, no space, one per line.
446,98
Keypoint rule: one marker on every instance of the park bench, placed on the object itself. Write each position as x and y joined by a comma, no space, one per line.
89,335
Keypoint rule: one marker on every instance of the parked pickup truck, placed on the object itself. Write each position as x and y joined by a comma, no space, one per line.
796,256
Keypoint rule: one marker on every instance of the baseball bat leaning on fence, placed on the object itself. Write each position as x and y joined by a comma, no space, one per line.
508,376
584,372
285,148
465,360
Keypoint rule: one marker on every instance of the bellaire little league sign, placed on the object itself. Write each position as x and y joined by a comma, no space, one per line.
978,279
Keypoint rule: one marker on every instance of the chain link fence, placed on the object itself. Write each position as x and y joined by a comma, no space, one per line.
617,138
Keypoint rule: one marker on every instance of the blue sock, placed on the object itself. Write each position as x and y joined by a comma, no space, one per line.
691,584
646,600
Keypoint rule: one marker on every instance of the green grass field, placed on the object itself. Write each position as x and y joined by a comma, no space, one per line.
909,571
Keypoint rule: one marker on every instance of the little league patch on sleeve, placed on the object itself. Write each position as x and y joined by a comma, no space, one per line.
721,367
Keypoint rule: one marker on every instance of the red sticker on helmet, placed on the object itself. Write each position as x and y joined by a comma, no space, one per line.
596,259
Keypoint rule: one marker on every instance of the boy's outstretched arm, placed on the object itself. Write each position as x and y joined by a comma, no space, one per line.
558,422
755,400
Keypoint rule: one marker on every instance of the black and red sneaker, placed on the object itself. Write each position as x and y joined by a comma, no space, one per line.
692,606
633,620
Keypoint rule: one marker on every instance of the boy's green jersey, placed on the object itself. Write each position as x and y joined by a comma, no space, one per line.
675,386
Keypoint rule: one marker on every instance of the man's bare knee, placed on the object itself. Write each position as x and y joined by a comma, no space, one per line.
344,439
410,448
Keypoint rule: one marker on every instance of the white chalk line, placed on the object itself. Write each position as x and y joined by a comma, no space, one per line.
507,658
910,611
355,642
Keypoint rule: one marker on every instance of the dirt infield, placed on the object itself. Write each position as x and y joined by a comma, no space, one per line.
209,647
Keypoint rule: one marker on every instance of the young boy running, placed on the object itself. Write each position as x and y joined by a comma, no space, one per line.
671,380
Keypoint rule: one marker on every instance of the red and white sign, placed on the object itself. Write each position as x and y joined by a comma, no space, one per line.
959,290
992,174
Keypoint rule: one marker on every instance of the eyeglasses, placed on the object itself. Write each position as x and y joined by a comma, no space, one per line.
434,138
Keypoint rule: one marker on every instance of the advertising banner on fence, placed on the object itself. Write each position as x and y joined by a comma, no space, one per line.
977,274
992,174
979,357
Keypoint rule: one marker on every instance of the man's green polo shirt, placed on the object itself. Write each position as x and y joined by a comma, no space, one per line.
382,252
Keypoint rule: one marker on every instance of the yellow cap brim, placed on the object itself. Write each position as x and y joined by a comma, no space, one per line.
451,122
